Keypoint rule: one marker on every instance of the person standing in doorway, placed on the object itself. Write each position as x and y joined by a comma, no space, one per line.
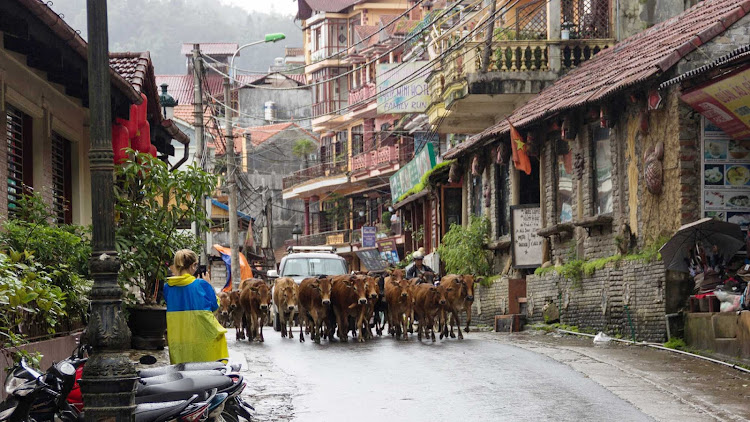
193,333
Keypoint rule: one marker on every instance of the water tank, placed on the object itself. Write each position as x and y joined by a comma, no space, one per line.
278,61
269,109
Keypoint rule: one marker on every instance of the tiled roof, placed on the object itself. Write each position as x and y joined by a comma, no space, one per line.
400,27
131,66
305,8
186,113
181,86
632,61
211,48
259,135
364,31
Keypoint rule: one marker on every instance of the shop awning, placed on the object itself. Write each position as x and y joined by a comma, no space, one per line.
411,198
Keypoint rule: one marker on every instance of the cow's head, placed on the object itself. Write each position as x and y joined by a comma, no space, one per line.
438,294
468,282
323,286
397,274
263,293
403,287
289,295
357,284
225,304
429,277
372,290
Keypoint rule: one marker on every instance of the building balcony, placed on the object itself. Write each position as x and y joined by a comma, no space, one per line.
467,101
379,162
361,96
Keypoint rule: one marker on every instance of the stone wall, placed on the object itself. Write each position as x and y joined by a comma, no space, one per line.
603,301
490,301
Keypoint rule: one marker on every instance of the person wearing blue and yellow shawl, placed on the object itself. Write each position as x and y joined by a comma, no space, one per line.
193,333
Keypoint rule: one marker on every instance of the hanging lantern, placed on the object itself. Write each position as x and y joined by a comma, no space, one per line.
477,165
141,110
152,150
130,125
120,141
142,140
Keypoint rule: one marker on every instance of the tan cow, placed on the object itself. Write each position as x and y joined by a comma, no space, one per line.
224,312
314,306
428,303
459,295
285,292
348,300
372,292
399,298
255,298
237,313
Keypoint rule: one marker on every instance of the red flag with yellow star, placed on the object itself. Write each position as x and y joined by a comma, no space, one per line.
518,148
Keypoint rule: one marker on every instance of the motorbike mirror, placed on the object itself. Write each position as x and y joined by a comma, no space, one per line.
147,360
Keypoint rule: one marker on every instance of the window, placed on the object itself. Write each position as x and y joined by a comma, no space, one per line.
357,140
564,201
341,145
61,183
312,267
602,177
501,200
476,195
325,150
529,192
20,155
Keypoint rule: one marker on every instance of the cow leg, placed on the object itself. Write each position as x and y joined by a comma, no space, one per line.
291,324
263,316
468,316
360,324
405,326
343,324
458,325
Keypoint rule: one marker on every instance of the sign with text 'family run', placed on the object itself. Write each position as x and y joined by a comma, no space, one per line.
402,87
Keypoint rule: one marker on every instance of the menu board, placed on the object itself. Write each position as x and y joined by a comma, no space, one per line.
525,221
389,251
371,259
725,176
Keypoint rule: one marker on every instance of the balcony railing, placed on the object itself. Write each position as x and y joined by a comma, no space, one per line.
327,107
382,156
335,237
313,172
365,94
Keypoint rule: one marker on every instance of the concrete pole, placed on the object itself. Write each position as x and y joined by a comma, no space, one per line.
553,33
487,52
231,183
109,378
199,139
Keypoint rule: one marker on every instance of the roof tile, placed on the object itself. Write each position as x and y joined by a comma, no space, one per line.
211,48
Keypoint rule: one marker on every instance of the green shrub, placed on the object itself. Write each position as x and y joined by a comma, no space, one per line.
462,249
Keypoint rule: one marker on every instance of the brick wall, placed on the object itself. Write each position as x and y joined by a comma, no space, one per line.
599,303
490,301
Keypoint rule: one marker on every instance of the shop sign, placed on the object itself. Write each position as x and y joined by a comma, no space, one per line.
726,103
410,174
725,180
402,87
335,239
388,251
525,221
369,234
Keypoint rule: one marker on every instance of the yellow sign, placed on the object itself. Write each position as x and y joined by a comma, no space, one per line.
335,239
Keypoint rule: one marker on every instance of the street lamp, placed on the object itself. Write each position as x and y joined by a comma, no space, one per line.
231,181
268,38
296,231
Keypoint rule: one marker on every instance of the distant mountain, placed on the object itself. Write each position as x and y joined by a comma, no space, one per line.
161,26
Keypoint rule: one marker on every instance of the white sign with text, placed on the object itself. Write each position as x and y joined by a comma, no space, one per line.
527,245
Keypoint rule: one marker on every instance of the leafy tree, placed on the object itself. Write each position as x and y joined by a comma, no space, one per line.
462,249
148,228
303,148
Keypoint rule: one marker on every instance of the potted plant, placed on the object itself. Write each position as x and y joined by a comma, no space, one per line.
155,208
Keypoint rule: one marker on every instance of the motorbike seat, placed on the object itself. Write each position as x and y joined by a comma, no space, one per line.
185,386
158,412
187,366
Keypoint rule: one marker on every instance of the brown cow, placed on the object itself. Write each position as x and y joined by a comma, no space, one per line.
236,312
348,299
372,292
285,292
224,313
315,301
428,302
400,301
460,295
255,297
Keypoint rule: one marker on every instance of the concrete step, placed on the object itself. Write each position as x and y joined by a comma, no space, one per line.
727,346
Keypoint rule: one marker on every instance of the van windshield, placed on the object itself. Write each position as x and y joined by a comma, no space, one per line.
312,267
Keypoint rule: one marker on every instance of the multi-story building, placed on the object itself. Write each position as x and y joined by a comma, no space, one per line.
348,45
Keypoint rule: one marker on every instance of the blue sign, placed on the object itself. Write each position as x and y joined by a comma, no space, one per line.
368,236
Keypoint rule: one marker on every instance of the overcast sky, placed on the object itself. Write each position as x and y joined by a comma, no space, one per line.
284,7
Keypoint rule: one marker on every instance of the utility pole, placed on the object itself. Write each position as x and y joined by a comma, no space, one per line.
231,182
109,378
488,41
199,139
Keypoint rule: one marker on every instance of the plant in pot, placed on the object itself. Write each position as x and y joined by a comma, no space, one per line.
155,208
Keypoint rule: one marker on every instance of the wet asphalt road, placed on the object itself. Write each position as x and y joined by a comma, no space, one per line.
475,379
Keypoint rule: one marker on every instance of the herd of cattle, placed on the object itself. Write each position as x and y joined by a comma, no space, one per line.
346,303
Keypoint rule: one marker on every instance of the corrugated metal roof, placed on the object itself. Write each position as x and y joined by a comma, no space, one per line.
305,8
735,56
630,62
211,48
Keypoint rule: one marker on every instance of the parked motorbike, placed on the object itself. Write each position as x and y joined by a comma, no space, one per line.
189,392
